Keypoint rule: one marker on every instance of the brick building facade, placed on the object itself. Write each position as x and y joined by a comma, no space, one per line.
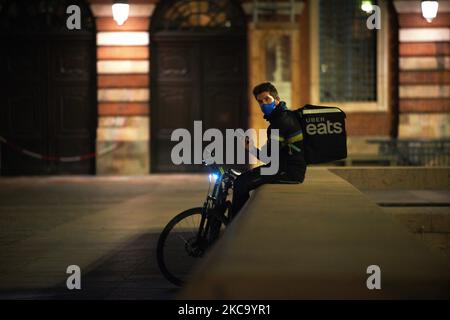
411,78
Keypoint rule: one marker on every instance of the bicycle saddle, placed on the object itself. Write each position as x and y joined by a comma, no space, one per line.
235,172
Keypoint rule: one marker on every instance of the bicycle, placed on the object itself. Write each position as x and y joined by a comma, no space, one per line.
197,229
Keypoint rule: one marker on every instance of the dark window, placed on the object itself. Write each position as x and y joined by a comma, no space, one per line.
199,15
348,52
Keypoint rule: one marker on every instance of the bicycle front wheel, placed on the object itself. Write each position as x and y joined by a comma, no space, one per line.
178,248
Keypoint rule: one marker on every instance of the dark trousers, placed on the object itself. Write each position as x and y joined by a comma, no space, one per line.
253,179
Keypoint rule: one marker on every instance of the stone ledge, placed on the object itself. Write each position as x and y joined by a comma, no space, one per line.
398,178
315,241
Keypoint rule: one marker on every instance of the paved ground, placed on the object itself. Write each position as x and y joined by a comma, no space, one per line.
107,226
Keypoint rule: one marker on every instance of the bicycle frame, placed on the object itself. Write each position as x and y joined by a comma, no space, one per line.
213,208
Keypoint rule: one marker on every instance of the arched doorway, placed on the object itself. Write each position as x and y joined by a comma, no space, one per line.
198,71
48,108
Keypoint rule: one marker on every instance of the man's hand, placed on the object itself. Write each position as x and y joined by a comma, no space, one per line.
251,147
247,144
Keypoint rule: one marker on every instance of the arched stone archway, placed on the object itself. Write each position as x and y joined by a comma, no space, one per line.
48,88
198,71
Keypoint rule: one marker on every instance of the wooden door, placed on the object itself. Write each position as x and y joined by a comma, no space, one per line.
198,72
47,90
195,78
22,109
72,108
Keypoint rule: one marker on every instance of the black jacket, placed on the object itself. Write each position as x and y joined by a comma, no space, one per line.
291,138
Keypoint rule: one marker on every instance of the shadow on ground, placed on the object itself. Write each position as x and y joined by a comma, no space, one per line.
130,272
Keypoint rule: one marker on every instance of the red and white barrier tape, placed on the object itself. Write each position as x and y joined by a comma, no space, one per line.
61,159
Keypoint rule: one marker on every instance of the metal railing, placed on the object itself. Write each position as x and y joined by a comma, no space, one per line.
415,152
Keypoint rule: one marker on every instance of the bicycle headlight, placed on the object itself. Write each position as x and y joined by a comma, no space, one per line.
213,177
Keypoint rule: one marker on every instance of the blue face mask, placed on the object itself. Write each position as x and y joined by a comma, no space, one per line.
267,108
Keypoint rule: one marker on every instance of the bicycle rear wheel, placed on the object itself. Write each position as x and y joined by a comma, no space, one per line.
178,249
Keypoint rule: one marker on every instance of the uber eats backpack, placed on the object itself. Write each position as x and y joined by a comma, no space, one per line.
324,135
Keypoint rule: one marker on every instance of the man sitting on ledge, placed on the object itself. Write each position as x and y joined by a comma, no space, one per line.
292,165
